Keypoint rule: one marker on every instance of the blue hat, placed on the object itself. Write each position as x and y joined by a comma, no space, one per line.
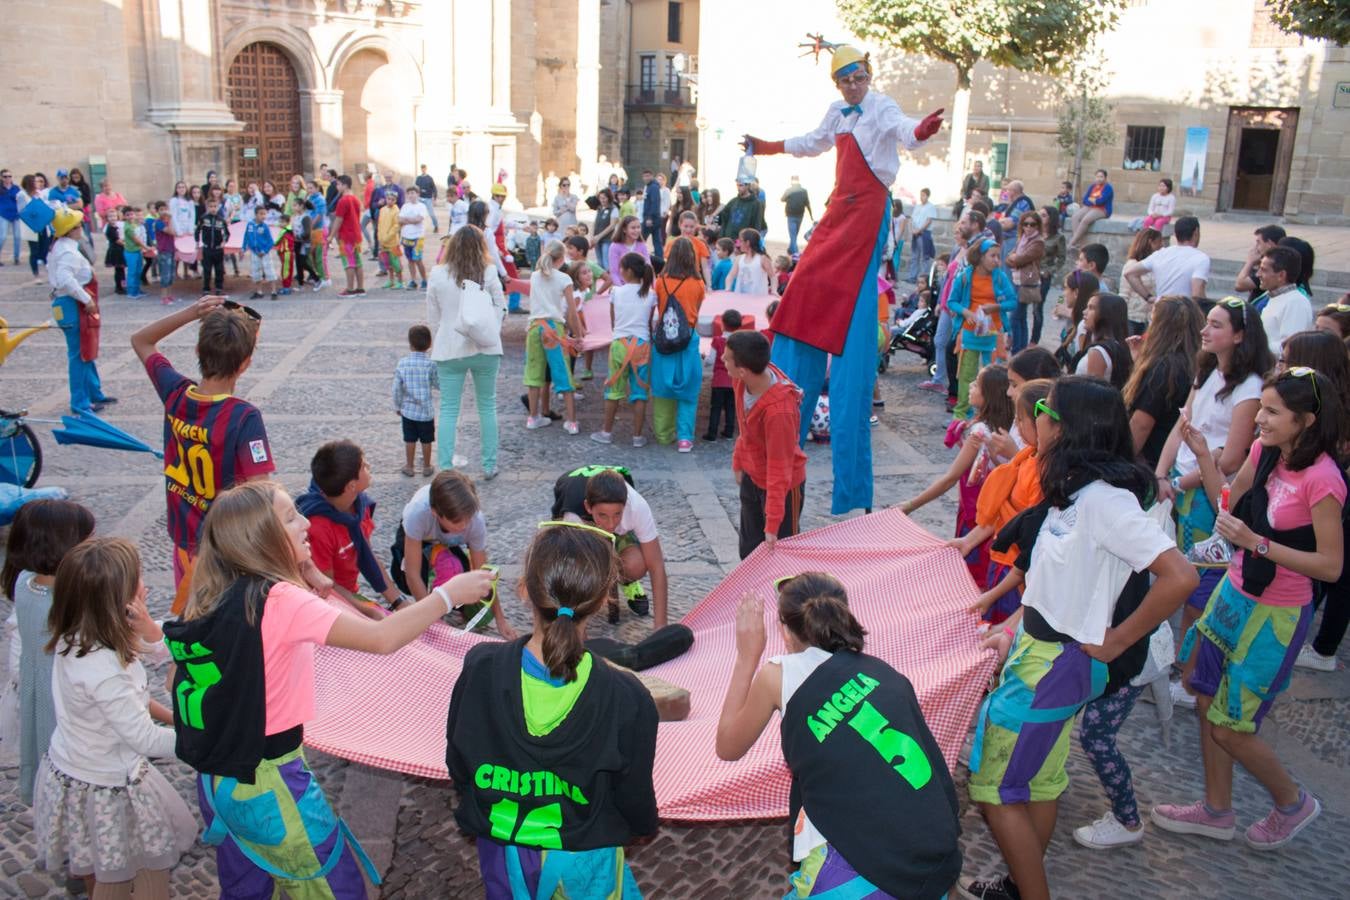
62,173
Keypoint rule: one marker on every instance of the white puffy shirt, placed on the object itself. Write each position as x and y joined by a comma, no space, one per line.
103,724
879,130
1084,555
68,271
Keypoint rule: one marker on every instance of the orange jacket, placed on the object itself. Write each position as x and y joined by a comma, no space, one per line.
1009,489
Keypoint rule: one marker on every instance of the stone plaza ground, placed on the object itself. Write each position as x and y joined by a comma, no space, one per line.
323,371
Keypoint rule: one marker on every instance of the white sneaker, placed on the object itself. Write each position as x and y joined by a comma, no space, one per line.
533,423
318,286
639,441
1107,833
571,428
1180,697
602,437
458,461
1308,658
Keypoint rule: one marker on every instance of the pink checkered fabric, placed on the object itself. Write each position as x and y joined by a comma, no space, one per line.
907,589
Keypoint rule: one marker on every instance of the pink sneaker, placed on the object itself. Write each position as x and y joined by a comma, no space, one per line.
685,446
1278,829
934,386
1194,819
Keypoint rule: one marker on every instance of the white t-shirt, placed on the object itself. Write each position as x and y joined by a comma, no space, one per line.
1174,267
797,667
420,523
1286,314
632,311
459,214
637,518
1214,416
1082,367
547,299
921,216
1084,555
413,211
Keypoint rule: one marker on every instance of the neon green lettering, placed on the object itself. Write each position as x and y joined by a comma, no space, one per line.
820,731
842,703
483,777
829,717
540,827
198,678
869,684
913,765
501,779
503,815
852,691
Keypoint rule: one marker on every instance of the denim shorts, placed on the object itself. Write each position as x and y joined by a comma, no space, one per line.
165,261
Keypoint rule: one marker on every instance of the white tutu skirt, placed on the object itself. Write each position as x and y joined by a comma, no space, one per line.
110,832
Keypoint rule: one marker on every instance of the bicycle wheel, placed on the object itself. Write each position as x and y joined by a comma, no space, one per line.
20,457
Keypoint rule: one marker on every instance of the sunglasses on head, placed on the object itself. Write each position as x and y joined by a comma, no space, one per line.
563,523
1042,407
1309,373
1338,307
249,311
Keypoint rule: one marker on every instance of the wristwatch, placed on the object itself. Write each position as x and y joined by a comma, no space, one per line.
1262,546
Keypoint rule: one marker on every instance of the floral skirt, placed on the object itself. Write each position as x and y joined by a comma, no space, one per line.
110,832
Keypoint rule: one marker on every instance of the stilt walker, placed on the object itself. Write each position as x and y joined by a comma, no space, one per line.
830,306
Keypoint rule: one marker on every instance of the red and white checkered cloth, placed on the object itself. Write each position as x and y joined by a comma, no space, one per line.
907,589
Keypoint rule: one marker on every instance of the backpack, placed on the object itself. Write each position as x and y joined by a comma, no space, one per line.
672,332
477,318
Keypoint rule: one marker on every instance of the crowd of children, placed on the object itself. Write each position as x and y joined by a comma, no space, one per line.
1103,486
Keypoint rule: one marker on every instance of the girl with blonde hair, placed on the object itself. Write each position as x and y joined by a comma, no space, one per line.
245,688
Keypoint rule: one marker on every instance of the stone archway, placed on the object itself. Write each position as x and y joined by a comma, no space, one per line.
264,93
377,112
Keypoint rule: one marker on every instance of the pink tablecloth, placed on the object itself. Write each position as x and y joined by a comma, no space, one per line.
907,588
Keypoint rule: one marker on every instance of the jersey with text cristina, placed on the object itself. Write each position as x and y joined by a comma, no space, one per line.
211,443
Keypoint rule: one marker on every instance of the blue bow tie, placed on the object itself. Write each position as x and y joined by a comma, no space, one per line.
851,111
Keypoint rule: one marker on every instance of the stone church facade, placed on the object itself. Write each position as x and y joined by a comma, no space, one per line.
159,90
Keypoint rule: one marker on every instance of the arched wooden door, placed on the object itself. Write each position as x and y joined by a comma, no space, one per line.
264,94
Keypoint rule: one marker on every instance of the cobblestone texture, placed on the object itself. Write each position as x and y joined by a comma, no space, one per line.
323,371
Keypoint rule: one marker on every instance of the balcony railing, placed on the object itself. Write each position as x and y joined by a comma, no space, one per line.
659,95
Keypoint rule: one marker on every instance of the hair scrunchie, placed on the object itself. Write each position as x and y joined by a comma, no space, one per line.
987,244
566,611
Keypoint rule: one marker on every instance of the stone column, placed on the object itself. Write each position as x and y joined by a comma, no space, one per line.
588,86
186,97
324,112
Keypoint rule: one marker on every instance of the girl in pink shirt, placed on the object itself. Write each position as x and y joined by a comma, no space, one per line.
1285,527
245,687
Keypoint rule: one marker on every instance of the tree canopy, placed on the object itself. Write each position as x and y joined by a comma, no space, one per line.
1028,35
1325,19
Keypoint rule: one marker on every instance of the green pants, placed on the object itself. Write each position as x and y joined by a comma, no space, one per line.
968,367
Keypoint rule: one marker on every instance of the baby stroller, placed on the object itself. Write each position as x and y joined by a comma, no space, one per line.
916,326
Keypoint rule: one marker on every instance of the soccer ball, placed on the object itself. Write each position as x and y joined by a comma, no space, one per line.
820,421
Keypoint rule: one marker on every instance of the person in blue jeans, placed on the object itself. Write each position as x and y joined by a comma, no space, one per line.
69,272
921,237
796,202
9,212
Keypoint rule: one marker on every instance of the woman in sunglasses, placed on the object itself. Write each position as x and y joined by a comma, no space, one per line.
1221,415
843,712
1095,534
1286,531
551,752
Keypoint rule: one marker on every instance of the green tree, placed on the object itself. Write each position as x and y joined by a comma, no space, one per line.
1085,120
1043,36
1325,19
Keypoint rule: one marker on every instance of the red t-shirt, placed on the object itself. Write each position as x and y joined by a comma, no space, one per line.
348,208
331,548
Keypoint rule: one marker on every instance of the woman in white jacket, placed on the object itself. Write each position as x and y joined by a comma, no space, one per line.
465,268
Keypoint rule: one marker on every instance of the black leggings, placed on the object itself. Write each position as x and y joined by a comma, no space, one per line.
1335,616
37,251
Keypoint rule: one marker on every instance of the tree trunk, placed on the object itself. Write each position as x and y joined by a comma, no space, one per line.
956,154
1078,147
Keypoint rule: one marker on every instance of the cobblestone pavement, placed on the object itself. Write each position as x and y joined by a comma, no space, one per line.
323,371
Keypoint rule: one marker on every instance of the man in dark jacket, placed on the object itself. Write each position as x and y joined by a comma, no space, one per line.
651,217
426,188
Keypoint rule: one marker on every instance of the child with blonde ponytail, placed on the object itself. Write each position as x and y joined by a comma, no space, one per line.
548,349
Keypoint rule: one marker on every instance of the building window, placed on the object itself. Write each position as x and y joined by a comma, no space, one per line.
647,73
673,21
672,75
1143,147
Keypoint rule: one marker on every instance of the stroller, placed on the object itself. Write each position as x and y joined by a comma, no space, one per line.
916,325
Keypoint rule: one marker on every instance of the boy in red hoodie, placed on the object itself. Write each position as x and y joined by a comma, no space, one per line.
768,461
